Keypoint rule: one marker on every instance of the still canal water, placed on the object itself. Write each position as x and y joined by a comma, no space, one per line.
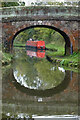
35,86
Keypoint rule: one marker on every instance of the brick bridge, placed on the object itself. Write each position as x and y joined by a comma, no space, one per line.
63,19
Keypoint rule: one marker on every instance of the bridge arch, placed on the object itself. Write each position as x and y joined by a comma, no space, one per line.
65,36
62,18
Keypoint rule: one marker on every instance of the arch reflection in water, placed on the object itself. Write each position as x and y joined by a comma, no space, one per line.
39,83
37,76
47,92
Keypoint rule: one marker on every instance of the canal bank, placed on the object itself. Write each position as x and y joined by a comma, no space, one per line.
7,58
66,61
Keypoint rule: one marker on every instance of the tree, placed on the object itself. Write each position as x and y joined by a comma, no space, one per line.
32,3
9,4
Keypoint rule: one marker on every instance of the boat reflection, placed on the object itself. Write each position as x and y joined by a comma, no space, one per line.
35,53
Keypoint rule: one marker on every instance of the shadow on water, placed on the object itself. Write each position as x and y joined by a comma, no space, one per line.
22,46
49,59
47,92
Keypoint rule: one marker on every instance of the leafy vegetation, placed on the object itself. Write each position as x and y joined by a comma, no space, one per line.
9,4
52,39
72,3
60,50
6,58
70,61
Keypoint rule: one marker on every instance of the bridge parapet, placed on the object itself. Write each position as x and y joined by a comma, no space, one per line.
40,12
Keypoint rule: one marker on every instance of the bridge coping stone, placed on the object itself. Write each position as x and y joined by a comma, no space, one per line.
49,12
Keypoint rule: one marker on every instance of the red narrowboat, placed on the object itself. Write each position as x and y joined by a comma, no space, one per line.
36,44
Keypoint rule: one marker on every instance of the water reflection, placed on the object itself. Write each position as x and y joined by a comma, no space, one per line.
35,53
37,74
44,83
45,100
44,92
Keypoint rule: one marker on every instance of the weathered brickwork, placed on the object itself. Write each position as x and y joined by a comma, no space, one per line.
62,19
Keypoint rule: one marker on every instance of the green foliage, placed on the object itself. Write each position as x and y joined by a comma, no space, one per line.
63,3
62,62
60,49
50,3
6,58
19,44
32,3
40,33
22,3
58,38
8,4
53,39
71,61
22,37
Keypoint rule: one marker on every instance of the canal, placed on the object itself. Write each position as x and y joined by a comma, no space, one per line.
34,86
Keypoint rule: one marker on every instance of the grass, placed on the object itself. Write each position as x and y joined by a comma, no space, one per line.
19,44
58,57
60,49
6,58
72,60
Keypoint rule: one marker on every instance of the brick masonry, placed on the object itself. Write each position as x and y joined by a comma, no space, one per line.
65,20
